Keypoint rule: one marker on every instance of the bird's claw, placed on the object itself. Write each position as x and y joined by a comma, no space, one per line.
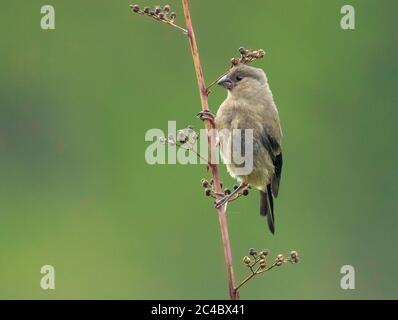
241,190
219,203
206,115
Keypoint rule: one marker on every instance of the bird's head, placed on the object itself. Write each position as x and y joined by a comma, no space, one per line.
243,79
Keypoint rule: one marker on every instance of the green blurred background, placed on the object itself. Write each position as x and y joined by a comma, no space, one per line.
76,192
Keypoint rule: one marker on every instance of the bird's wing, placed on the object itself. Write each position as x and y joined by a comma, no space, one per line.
275,151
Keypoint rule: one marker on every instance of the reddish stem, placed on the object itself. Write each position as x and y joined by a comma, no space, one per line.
222,214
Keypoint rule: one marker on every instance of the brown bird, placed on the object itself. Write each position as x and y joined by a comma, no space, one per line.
250,105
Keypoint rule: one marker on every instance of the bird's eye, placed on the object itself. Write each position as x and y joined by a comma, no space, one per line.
238,78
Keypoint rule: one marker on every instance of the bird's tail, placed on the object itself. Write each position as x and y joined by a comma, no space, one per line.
267,207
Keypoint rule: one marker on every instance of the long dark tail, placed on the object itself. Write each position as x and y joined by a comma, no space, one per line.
267,207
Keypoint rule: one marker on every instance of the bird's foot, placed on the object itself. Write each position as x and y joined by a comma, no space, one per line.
207,115
221,202
227,195
239,190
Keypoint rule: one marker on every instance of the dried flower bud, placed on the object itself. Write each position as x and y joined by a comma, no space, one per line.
161,15
294,258
252,252
166,8
246,260
264,252
173,15
194,135
242,51
253,53
260,53
262,264
280,257
146,10
245,192
234,61
151,12
205,183
236,186
157,10
182,137
227,192
162,139
135,7
207,192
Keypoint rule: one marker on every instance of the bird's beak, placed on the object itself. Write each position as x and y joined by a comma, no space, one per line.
226,82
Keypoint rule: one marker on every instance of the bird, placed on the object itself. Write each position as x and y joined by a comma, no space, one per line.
250,105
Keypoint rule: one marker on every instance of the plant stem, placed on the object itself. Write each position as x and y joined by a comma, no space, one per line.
222,214
252,275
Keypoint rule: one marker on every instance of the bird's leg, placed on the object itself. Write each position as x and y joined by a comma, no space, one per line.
207,115
243,192
232,196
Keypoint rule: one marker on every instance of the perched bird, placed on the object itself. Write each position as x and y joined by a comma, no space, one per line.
250,105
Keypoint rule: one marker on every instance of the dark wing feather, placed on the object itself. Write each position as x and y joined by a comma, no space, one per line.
267,207
272,189
274,149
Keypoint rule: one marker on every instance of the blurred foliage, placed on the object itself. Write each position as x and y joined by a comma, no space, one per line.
76,192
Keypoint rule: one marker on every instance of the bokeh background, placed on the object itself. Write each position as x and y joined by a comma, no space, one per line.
76,192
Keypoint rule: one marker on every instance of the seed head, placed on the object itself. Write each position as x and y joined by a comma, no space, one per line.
280,257
262,264
242,51
173,15
166,8
205,183
227,192
234,61
146,10
161,15
135,7
157,10
245,192
252,252
253,53
260,53
246,260
162,139
207,192
264,252
182,137
294,257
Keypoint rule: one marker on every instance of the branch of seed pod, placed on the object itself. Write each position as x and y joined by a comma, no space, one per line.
257,263
164,15
185,139
246,56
